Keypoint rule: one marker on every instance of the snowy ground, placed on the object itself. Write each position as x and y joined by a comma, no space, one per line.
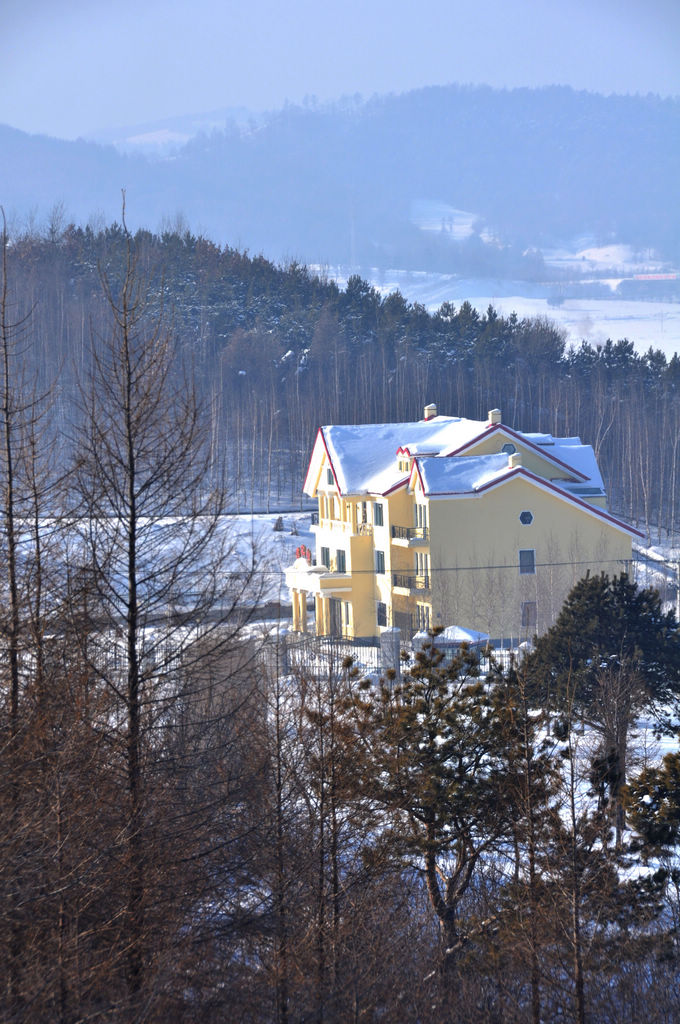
439,217
593,258
274,549
655,324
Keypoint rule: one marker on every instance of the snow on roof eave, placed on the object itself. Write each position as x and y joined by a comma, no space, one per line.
522,440
368,491
545,485
310,488
395,487
415,476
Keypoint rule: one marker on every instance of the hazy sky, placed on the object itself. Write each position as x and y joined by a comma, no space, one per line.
73,67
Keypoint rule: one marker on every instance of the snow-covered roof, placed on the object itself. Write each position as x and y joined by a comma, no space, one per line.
580,457
447,478
458,635
452,636
364,457
460,475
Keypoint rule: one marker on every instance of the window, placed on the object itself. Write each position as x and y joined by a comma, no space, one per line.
362,512
378,514
381,613
329,476
340,561
335,616
423,569
423,613
380,562
529,616
346,618
509,449
325,556
527,562
421,516
526,518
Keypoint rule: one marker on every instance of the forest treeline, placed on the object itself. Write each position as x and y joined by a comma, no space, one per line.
201,822
277,351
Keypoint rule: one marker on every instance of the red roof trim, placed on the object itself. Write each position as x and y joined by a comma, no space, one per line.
311,458
522,440
395,487
420,475
330,461
320,434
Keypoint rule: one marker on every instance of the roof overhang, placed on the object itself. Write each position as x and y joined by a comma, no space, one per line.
319,451
513,435
544,485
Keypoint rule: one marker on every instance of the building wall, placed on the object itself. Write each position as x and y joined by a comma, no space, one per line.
475,545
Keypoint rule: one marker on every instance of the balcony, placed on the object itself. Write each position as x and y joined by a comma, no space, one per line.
334,525
343,526
410,536
317,579
410,583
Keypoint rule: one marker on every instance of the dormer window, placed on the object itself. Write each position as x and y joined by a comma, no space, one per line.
404,464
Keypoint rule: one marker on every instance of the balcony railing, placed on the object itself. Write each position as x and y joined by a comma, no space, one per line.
410,582
343,526
410,533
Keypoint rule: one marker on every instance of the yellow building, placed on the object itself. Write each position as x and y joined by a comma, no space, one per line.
451,522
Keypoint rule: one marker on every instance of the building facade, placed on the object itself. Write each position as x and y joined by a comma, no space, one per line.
451,522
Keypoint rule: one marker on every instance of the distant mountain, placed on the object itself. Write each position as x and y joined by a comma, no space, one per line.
165,137
348,183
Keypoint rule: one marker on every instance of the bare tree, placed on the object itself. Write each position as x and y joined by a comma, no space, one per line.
24,492
159,577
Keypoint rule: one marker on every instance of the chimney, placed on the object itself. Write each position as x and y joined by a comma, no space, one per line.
514,460
494,416
430,412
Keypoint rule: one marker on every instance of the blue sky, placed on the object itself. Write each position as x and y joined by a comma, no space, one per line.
74,67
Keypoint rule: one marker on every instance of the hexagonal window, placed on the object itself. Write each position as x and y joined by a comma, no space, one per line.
509,449
526,518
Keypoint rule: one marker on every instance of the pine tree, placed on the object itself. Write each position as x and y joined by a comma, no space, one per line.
433,753
612,652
